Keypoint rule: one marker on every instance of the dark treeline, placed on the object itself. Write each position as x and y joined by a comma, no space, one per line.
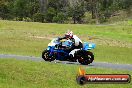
63,11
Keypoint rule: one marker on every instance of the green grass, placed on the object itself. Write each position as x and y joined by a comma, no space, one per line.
130,22
113,54
15,38
122,32
29,74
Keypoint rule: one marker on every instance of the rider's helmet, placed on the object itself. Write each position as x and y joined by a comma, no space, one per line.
69,34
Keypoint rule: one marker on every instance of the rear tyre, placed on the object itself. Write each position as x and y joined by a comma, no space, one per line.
46,57
85,57
90,56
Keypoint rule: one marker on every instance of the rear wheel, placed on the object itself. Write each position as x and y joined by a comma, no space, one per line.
86,57
90,56
46,57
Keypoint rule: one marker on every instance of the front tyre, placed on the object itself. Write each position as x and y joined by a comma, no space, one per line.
46,57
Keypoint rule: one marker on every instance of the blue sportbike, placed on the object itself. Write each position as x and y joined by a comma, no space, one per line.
61,50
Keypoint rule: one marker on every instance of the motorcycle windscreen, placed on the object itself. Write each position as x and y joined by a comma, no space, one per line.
53,42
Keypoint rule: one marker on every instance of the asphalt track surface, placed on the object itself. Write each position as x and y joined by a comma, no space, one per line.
94,64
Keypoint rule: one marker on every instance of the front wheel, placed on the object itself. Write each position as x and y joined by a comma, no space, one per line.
86,57
46,57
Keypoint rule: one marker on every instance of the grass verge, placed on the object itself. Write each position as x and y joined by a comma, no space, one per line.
29,74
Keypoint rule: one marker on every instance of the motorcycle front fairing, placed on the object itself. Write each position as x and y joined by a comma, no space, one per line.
51,46
60,53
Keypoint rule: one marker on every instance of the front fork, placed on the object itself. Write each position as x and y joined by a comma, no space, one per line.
50,49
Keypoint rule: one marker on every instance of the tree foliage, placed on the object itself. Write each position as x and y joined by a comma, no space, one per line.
77,11
60,11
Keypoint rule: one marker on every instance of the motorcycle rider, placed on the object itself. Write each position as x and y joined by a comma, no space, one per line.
76,43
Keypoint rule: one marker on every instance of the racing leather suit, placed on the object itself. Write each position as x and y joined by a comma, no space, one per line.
77,43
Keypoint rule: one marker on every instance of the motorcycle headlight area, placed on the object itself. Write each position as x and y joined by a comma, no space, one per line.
48,48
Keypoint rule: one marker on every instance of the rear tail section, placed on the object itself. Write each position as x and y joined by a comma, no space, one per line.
88,46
